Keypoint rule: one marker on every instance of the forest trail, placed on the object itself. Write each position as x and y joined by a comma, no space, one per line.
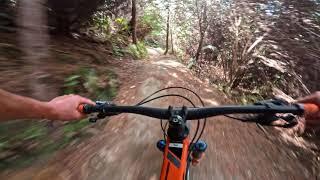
126,148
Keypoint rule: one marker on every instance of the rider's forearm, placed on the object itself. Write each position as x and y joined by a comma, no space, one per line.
16,107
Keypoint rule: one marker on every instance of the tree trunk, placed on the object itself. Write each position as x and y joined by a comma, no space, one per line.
199,47
134,22
168,31
172,49
203,25
224,65
34,39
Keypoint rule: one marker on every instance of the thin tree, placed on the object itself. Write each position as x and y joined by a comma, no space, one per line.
203,26
168,29
34,38
171,37
134,22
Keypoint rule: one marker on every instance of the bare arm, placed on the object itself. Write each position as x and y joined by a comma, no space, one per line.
61,108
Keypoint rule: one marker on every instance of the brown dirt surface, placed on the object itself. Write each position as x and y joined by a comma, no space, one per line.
126,148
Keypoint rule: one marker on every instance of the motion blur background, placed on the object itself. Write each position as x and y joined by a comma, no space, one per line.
247,50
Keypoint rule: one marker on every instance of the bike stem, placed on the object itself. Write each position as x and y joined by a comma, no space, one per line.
178,129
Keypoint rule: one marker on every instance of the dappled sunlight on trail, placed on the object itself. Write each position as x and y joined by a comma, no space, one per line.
125,149
225,51
169,63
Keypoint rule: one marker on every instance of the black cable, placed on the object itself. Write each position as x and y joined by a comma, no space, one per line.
225,116
177,95
199,98
167,95
173,87
202,130
163,129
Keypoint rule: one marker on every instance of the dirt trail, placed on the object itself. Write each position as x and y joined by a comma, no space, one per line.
126,148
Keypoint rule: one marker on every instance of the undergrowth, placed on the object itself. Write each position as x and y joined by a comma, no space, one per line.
24,142
137,51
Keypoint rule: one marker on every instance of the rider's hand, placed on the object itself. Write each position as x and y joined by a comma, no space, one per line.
314,119
65,107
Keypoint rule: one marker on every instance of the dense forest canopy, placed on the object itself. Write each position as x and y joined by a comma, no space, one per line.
245,47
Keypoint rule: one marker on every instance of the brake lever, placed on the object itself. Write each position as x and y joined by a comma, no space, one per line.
102,115
290,119
267,119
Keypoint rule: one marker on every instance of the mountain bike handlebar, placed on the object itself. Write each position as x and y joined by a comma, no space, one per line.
199,113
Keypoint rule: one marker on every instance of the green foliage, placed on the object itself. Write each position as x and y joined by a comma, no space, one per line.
34,132
90,80
75,126
99,85
152,20
33,141
102,22
150,26
132,50
122,24
152,42
180,54
223,87
191,63
71,83
138,51
117,51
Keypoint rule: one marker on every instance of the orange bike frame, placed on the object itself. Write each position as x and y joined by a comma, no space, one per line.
174,167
